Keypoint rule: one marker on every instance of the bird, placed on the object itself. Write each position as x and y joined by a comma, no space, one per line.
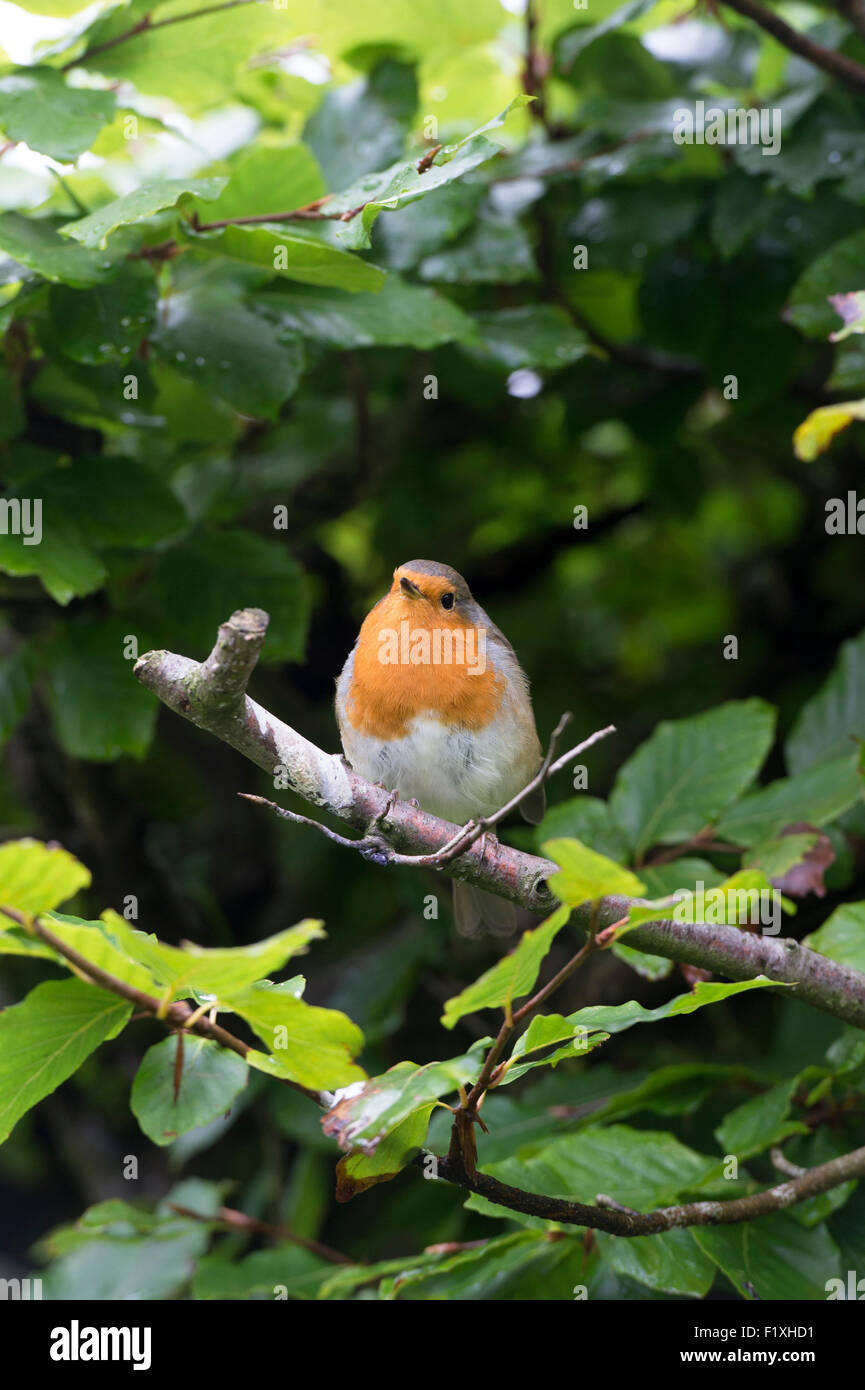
433,705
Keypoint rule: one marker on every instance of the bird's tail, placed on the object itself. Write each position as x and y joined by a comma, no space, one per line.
476,911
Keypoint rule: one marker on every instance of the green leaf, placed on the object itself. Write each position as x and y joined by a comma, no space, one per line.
111,501
649,966
40,109
835,715
772,1258
533,335
397,315
819,795
776,857
402,183
361,1120
34,243
218,570
295,255
196,68
573,43
210,1080
35,877
99,709
494,251
586,876
45,1038
62,560
118,1252
16,942
95,229
511,977
89,939
672,1261
268,178
639,1168
663,879
585,818
226,973
362,126
546,1031
107,322
312,1046
517,1267
616,1018
211,337
426,226
261,1275
745,896
357,1172
842,936
689,770
760,1122
837,271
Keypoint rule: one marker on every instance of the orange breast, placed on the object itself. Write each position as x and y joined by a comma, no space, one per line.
386,694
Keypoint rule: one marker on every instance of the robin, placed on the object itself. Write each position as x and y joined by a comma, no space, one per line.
433,705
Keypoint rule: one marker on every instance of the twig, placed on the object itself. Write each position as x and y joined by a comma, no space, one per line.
836,64
311,212
177,1016
616,1220
375,846
239,1221
145,25
793,1170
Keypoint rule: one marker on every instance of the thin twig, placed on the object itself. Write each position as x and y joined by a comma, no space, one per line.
176,1016
311,212
836,64
239,1221
145,25
374,845
611,1217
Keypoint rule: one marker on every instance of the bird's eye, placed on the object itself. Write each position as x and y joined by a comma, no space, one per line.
447,600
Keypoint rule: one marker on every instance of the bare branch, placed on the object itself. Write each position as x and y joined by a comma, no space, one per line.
610,1216
234,1220
836,64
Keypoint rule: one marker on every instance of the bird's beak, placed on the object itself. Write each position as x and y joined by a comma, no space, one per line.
408,588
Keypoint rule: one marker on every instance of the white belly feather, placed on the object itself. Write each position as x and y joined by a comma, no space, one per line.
452,773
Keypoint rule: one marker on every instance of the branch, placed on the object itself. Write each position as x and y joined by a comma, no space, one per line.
836,64
238,1221
178,1016
608,1215
373,846
144,26
323,779
310,212
854,11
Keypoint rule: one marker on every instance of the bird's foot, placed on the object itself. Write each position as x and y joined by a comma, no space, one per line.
392,798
